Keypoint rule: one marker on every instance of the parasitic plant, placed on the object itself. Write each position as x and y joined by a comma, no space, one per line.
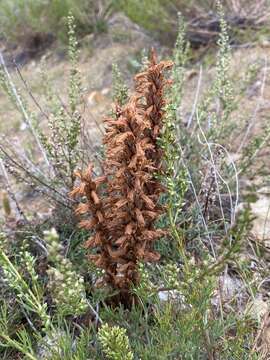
123,205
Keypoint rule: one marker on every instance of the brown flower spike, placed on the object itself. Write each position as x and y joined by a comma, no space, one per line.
124,204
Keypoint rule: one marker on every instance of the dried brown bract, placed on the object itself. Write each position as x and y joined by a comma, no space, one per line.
124,204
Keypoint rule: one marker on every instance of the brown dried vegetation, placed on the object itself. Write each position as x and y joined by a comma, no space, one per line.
123,205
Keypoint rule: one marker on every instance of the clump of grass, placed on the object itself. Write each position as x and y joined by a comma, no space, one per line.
159,16
146,13
21,20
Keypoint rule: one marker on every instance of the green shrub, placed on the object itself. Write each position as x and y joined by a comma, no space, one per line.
160,17
21,19
58,142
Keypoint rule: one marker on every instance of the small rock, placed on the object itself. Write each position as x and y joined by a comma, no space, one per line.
169,295
105,91
261,224
49,345
230,288
95,97
258,308
23,126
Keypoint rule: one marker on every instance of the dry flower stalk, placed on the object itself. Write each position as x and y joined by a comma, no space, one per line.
124,204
